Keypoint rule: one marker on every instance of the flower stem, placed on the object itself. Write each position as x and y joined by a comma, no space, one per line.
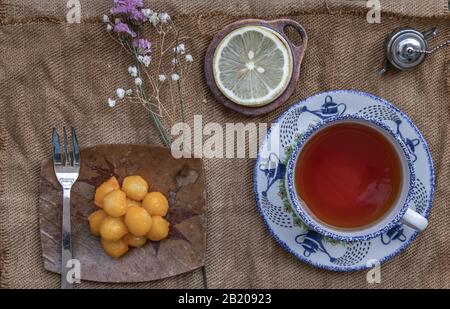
178,81
157,121
155,118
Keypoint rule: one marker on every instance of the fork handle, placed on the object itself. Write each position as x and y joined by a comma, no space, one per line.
66,237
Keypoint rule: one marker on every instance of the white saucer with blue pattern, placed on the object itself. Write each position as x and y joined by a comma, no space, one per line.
288,230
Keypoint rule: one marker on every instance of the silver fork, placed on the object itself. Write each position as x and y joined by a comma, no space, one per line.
66,169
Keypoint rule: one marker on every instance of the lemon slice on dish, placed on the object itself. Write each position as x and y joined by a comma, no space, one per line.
252,66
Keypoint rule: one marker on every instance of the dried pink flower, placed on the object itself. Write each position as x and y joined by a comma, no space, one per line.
143,45
121,27
131,8
137,16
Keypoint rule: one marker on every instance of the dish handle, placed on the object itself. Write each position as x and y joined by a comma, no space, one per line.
280,26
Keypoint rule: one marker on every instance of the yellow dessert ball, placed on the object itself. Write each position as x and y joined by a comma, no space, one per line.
113,228
138,221
159,229
135,241
135,187
156,204
116,248
131,202
106,187
115,203
95,220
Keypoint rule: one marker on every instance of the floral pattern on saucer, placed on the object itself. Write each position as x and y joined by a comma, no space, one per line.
290,232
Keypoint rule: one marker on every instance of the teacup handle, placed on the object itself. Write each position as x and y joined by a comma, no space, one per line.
414,220
281,24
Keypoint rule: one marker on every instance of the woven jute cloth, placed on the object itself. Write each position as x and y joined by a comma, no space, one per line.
53,73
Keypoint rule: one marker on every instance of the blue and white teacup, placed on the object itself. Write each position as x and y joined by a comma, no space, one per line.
398,213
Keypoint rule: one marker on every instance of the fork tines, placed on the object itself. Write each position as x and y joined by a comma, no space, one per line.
67,159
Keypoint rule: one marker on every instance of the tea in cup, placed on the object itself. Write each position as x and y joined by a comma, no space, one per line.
351,178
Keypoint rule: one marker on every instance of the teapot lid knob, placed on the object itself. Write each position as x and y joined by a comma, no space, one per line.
403,46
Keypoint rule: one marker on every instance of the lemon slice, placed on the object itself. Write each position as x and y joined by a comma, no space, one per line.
252,66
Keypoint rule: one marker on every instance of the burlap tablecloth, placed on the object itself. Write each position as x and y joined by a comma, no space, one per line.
53,73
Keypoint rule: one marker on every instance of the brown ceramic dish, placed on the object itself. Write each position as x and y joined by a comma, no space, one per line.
279,27
181,180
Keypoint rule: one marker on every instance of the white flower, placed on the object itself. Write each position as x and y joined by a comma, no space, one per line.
164,17
109,27
120,93
147,60
161,77
180,48
153,19
189,58
175,77
133,71
129,92
174,61
138,81
147,12
105,18
111,102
